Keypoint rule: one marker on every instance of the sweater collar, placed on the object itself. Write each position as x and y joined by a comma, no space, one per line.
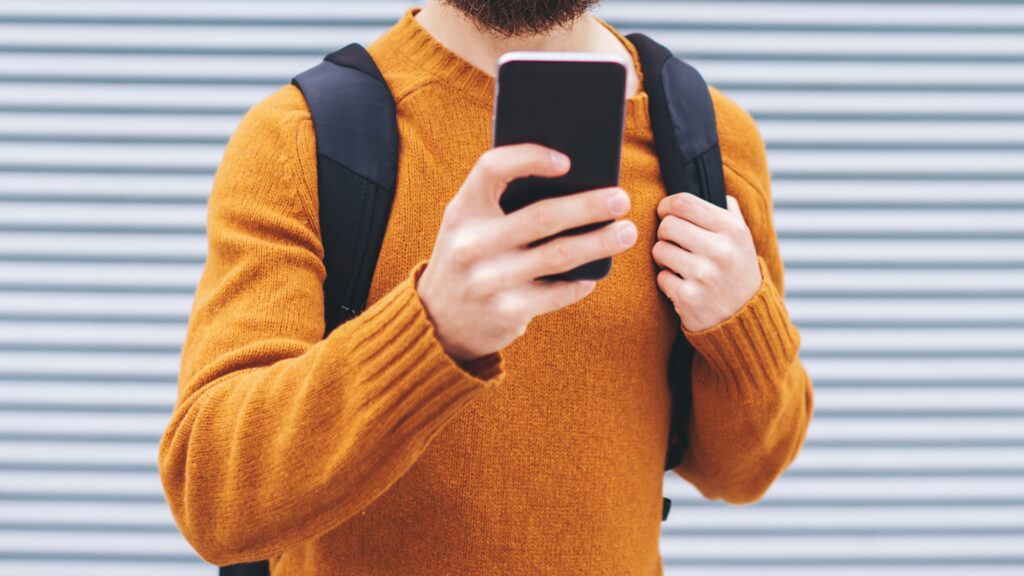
412,41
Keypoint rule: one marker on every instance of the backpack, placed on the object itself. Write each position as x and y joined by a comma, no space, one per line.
354,119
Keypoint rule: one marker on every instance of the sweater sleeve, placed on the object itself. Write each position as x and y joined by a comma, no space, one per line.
279,434
752,398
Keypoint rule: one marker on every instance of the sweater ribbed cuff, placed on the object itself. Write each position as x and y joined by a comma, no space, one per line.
754,347
417,383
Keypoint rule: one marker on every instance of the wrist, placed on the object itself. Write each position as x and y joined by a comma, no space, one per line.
462,355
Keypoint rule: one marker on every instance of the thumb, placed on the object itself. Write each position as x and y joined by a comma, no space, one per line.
498,166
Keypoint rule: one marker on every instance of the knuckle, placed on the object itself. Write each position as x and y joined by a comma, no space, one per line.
509,310
557,256
683,202
463,255
482,283
685,293
713,250
608,242
660,250
452,213
488,164
544,220
702,270
677,297
535,230
736,227
464,251
596,207
656,250
531,148
724,252
476,291
667,227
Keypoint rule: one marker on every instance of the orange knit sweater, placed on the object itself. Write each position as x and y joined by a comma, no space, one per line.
371,452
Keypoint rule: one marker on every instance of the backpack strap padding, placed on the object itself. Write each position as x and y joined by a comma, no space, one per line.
679,98
357,164
686,140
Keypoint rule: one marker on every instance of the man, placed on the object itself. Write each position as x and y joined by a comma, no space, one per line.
472,420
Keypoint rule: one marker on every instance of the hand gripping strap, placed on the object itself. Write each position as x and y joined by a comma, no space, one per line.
686,139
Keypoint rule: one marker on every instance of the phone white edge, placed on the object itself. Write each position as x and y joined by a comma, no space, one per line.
528,56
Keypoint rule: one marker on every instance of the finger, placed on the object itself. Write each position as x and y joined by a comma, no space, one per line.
686,235
672,286
553,215
498,166
694,209
674,258
546,297
569,252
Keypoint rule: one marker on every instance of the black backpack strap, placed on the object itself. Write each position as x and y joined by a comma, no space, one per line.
686,139
357,163
683,120
250,569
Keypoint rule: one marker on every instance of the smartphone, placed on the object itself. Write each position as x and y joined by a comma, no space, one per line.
574,103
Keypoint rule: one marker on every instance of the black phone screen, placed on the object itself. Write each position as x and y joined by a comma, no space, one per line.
574,106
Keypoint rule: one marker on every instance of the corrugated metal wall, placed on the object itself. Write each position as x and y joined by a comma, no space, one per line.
896,134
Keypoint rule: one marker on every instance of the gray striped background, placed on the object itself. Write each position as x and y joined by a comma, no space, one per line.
896,135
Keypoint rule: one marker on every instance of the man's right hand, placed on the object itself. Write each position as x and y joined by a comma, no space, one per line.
479,288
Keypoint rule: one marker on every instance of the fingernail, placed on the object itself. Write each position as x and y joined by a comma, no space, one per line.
618,203
627,234
561,161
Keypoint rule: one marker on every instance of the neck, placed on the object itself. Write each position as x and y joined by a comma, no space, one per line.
453,29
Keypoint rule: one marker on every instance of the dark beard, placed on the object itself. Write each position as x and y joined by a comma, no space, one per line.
506,18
